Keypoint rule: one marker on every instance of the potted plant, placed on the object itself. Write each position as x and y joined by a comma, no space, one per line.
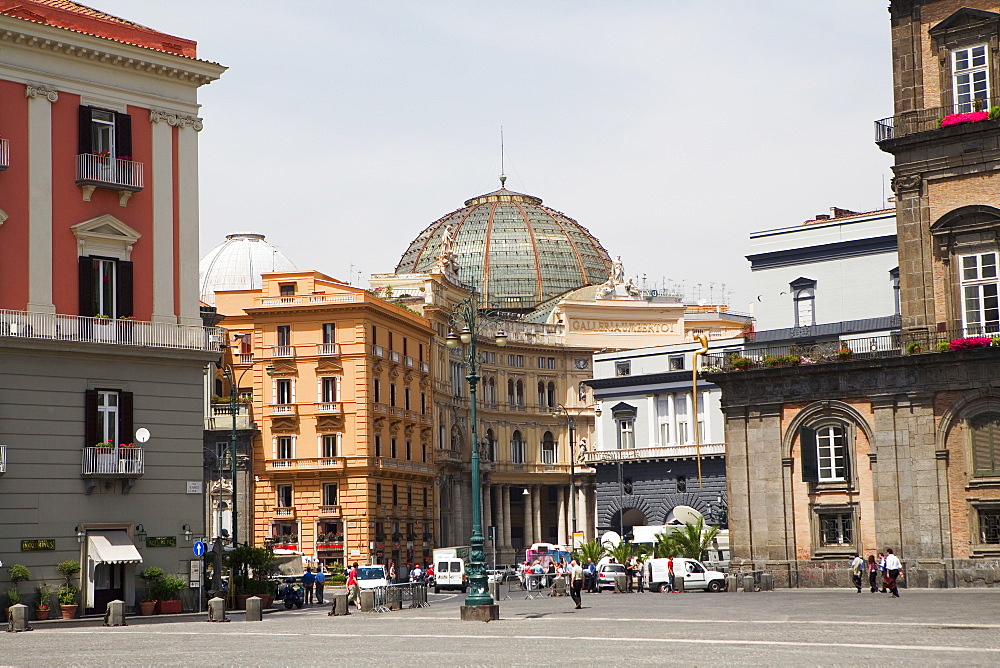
943,346
147,602
69,595
913,348
844,353
17,574
166,589
741,363
970,342
43,595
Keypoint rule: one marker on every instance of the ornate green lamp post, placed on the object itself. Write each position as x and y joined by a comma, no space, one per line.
467,319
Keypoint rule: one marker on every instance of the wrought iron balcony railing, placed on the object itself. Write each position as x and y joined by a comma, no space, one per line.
922,120
103,171
113,462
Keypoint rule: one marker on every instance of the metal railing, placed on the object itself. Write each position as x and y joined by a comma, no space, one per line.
393,596
104,170
661,452
4,154
895,344
115,331
378,351
921,120
394,356
113,461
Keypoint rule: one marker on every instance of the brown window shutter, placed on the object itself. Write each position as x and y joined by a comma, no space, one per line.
86,288
123,135
85,143
985,446
123,290
807,450
90,418
126,433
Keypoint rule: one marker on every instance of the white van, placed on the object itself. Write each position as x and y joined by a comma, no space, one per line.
371,576
694,573
449,573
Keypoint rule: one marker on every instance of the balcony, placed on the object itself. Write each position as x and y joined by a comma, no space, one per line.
329,511
4,154
283,410
306,300
124,332
330,408
303,463
245,358
282,351
282,542
394,356
102,171
327,349
408,361
283,512
923,120
112,462
424,367
445,456
378,351
644,454
3,459
221,417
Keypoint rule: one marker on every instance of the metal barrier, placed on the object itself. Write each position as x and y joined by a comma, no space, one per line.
388,595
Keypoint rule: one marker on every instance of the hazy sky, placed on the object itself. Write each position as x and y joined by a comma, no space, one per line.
670,129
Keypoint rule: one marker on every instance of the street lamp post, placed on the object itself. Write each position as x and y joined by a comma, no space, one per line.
466,318
571,423
233,383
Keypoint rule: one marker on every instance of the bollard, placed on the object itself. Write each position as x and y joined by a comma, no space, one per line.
620,583
339,606
217,610
766,582
679,584
367,600
748,584
254,613
559,586
115,614
732,584
493,586
17,618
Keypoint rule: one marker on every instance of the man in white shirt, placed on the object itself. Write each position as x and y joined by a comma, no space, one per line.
857,564
576,583
893,566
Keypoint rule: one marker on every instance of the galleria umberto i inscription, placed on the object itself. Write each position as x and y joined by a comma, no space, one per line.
622,326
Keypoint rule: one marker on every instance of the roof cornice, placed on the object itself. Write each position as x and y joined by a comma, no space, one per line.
143,59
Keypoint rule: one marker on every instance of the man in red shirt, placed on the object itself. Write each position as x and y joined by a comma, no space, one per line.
353,591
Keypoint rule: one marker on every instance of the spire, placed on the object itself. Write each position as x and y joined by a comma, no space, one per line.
503,177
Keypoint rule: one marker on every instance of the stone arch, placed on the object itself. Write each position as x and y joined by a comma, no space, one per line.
960,409
696,500
625,503
824,409
967,219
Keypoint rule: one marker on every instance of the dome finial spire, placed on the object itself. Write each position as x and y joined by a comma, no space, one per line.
503,177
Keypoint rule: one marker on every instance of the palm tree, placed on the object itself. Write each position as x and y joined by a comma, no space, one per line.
593,551
665,545
693,540
622,552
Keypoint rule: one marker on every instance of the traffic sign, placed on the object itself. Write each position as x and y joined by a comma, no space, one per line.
199,549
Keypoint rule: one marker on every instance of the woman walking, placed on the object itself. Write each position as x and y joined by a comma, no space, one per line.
872,573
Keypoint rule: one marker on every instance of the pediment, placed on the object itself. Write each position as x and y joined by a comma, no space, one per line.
802,282
623,409
105,235
972,218
964,18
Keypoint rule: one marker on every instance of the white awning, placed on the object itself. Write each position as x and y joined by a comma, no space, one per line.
112,547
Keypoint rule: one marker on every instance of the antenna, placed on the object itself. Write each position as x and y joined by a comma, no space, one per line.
503,177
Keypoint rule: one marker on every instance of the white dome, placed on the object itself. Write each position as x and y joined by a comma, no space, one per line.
237,263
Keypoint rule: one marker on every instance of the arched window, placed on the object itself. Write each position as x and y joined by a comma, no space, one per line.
491,390
520,393
804,297
516,448
824,453
985,431
541,393
510,392
548,448
550,394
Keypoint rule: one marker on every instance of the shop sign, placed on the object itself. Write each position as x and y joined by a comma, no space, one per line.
161,541
38,545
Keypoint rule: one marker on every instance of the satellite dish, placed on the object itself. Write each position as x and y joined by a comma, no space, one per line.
611,537
142,434
683,515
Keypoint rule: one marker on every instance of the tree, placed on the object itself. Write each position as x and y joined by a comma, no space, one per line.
693,540
665,545
623,551
593,551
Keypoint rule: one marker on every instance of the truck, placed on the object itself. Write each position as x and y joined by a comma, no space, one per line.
449,568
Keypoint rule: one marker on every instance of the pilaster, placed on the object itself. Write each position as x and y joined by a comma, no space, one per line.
40,101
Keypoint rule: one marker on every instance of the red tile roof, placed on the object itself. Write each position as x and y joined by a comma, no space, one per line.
80,18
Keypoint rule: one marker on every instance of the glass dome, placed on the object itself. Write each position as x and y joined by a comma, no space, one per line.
237,263
516,251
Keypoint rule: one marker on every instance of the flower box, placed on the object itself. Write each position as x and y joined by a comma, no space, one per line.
969,117
970,342
330,546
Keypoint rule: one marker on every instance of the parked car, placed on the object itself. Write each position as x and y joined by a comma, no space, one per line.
606,575
693,572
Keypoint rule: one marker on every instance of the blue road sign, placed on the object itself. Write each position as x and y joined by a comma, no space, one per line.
199,549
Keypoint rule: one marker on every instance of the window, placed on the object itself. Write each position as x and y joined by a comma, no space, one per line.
548,449
519,391
330,494
378,445
676,362
377,391
395,495
423,451
409,495
550,362
682,484
457,379
550,394
409,448
286,289
423,402
392,447
392,394
283,391
623,368
284,335
105,132
329,332
894,277
985,431
981,309
836,528
105,287
406,398
626,434
424,491
510,392
804,298
328,389
284,496
824,453
989,526
109,417
331,445
515,360
378,494
517,448
541,392
541,362
285,447
970,75
389,340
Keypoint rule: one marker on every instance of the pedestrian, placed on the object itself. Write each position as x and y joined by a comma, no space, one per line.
353,591
416,574
629,572
592,577
576,583
893,567
872,573
881,568
857,566
639,566
670,574
320,583
308,579
392,573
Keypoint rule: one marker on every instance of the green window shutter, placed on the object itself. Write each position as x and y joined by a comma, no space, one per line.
807,448
985,445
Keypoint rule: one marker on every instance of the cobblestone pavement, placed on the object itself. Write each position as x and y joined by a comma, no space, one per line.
804,627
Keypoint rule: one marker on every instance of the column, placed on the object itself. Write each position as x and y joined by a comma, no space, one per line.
653,439
562,517
40,269
457,519
537,493
487,509
162,184
187,198
582,515
529,516
505,509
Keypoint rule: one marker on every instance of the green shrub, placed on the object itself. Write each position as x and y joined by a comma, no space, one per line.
18,573
68,595
68,569
943,346
13,596
994,113
44,593
167,587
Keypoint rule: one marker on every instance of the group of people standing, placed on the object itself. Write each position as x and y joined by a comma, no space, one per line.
884,570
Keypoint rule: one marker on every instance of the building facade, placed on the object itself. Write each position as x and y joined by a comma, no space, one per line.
101,340
894,442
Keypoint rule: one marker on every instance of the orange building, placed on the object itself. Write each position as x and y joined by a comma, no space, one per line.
340,383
